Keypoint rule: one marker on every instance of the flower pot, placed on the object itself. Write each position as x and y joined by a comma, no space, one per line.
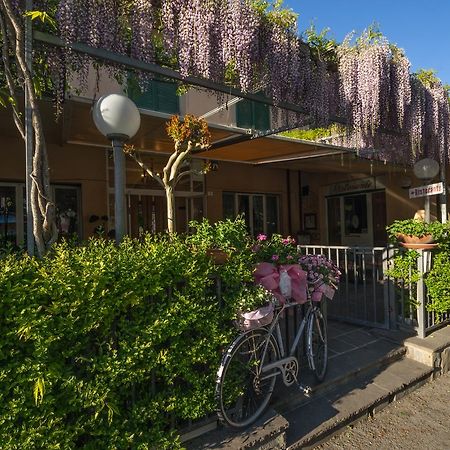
427,239
217,255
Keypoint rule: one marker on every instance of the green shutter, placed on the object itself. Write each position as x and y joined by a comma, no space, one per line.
244,114
253,115
158,96
167,99
261,116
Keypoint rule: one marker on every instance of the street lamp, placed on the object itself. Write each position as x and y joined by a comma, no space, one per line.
117,118
426,169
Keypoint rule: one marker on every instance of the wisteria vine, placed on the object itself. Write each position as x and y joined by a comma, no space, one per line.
233,41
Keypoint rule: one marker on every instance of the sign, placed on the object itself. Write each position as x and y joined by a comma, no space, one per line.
427,190
361,184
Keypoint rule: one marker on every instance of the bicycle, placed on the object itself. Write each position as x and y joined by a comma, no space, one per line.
251,364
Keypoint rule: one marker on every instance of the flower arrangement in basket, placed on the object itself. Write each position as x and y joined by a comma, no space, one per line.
322,274
283,274
277,268
255,307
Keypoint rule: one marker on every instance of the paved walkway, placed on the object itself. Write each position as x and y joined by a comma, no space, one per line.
420,420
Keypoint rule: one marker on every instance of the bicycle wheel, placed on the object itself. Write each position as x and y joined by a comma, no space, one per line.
242,391
317,345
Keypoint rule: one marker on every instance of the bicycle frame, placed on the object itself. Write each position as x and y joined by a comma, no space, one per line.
284,359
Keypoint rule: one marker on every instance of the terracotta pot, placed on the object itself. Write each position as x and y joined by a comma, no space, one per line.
427,239
218,256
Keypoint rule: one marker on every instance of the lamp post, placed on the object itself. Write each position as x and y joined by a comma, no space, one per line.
117,118
426,169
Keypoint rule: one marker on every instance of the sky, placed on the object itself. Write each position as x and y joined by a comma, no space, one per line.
421,28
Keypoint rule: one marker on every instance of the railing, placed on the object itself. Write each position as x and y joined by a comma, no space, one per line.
368,296
427,321
361,297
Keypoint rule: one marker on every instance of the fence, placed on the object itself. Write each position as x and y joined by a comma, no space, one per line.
413,298
361,297
368,296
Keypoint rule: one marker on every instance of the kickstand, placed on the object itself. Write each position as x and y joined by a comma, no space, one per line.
307,391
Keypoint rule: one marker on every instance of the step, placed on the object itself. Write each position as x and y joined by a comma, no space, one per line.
317,420
268,433
342,368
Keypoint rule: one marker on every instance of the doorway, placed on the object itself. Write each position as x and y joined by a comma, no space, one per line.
357,219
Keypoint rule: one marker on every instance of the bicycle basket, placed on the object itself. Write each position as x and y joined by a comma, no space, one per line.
255,319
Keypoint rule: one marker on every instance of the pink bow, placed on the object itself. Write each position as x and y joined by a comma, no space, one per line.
268,275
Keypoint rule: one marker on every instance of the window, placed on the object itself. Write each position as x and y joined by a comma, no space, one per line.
252,115
260,211
13,219
157,96
68,208
8,218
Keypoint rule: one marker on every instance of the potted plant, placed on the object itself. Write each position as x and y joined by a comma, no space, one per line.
414,233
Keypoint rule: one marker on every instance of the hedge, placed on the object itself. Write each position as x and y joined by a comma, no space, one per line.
106,347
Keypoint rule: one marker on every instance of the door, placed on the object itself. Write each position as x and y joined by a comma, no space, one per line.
334,221
8,217
379,218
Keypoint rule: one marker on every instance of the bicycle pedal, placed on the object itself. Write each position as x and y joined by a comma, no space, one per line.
307,391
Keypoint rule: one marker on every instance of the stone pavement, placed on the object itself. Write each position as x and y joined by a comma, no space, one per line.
368,370
420,420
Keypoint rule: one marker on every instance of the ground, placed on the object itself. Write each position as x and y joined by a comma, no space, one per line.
420,420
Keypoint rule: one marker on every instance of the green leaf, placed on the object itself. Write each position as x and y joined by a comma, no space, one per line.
42,16
39,391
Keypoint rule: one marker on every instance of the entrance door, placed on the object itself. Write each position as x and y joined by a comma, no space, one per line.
334,221
146,213
379,218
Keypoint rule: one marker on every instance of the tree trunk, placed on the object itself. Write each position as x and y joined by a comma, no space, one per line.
44,224
170,198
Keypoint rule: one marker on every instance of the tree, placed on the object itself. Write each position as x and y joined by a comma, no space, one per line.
190,136
18,79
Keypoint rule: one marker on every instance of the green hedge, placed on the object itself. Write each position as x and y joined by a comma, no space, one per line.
103,347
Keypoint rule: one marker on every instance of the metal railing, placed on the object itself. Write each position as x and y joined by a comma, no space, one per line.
368,296
361,297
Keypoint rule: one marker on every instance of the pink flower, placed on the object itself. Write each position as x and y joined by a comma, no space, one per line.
262,237
289,257
275,257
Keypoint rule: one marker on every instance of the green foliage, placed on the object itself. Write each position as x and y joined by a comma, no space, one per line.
419,228
321,46
42,16
103,346
276,12
428,77
438,285
404,267
314,134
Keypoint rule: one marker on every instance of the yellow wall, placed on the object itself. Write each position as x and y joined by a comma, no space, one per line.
70,164
246,179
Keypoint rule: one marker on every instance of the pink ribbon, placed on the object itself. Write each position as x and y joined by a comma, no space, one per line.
268,275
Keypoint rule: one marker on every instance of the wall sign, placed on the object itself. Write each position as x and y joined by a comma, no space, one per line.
427,190
362,184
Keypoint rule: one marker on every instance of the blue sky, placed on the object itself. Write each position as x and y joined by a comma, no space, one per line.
421,28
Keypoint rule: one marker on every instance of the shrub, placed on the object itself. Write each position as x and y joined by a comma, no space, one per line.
104,346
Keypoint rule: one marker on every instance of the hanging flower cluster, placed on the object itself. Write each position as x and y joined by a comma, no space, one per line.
368,85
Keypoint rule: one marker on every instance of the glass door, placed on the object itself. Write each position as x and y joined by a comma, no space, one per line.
8,216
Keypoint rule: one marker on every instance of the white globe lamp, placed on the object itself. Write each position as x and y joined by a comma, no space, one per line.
426,169
117,118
